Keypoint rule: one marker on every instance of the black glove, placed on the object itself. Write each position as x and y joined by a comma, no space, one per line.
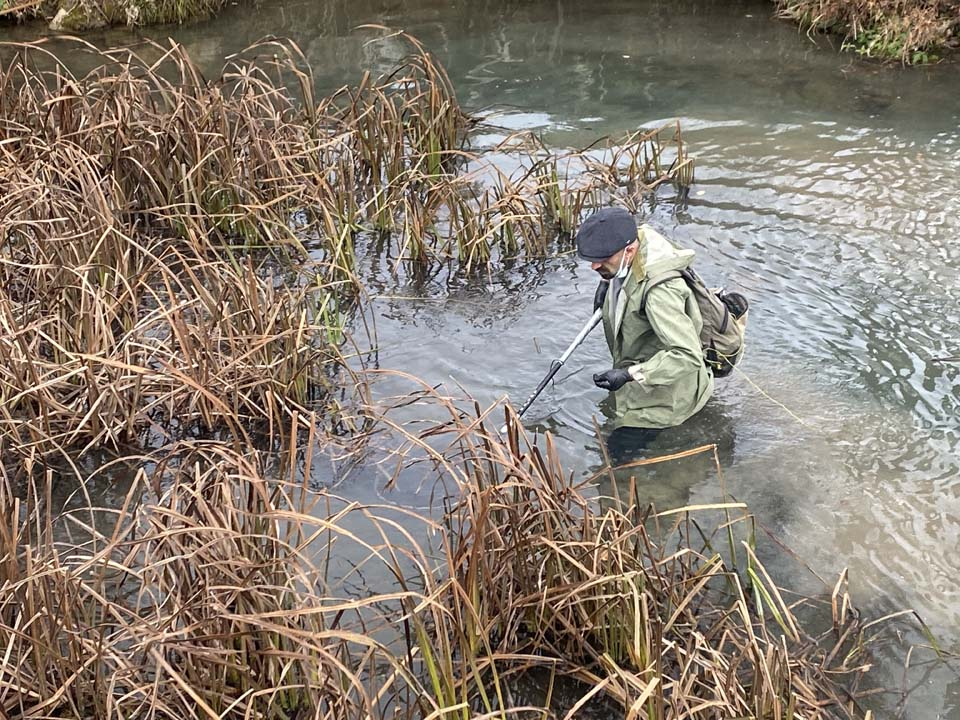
600,295
612,379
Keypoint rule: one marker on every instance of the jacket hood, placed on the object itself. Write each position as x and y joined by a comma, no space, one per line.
658,255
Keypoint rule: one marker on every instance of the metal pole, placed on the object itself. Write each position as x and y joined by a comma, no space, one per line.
558,363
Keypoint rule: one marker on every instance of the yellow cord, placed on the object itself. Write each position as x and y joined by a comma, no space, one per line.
763,392
772,399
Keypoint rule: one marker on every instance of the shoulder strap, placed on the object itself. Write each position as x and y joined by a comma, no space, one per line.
653,282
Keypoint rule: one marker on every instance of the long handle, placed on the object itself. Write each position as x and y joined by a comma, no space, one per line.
586,330
558,363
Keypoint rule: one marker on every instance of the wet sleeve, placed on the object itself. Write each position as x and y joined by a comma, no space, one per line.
682,354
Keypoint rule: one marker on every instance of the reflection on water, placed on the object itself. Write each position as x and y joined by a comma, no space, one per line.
827,192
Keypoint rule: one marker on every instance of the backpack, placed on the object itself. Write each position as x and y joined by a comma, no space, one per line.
724,319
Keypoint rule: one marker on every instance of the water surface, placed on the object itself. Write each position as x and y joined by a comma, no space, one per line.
827,192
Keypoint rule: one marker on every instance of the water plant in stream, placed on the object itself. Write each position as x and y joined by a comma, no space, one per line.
224,584
177,254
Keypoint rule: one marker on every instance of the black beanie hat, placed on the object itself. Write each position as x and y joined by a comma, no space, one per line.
605,233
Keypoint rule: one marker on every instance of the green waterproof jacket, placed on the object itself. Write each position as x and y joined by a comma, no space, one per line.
660,346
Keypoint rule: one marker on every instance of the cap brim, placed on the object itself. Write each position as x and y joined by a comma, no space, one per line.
587,258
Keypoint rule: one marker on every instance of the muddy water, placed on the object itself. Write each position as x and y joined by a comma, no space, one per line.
828,192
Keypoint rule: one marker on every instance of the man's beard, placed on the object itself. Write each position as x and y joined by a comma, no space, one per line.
606,274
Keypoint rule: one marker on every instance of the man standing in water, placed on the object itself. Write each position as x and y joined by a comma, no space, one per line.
659,378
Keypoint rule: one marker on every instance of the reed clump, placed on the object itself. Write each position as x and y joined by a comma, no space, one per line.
653,618
217,587
111,341
177,254
908,31
254,159
667,615
203,595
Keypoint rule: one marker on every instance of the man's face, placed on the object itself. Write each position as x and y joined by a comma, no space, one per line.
609,267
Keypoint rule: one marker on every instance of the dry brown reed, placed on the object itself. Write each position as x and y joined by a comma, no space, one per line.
176,254
253,159
218,589
17,11
202,596
215,589
668,615
155,283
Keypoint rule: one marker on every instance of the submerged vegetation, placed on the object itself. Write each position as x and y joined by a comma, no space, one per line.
176,291
909,31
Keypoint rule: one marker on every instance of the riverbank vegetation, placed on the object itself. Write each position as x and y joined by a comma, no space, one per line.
182,336
83,15
909,31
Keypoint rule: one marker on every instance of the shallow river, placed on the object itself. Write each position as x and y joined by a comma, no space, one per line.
828,192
